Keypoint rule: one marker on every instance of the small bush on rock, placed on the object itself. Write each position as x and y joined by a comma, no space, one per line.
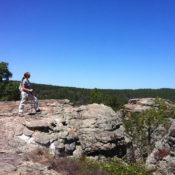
116,167
66,166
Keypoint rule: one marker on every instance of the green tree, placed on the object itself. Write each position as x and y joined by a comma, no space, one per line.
5,74
95,96
112,101
8,89
141,126
11,92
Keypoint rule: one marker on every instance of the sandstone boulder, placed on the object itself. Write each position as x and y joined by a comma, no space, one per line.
94,130
139,105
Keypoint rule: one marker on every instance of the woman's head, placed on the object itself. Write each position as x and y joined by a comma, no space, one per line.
27,75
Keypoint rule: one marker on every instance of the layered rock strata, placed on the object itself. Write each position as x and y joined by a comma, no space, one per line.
94,130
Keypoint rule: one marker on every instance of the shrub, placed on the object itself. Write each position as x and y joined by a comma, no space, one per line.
66,166
142,126
85,166
116,167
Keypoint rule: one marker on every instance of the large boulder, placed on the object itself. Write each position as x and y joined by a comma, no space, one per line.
100,131
94,130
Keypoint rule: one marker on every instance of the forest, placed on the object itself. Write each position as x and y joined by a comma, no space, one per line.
79,96
116,98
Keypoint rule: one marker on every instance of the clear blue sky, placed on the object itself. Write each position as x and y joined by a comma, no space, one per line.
116,44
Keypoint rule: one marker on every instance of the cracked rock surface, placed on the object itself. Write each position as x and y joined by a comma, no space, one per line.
94,130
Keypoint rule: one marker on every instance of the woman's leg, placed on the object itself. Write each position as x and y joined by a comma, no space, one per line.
24,96
35,101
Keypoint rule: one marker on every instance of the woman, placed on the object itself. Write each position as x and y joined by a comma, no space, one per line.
27,92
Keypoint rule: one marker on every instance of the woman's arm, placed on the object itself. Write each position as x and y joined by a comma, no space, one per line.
27,90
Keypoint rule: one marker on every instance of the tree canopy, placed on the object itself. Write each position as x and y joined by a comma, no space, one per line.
9,90
5,74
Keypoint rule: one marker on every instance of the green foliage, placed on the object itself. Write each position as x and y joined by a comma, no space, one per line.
114,98
65,165
112,101
5,74
95,96
84,165
9,91
135,128
166,111
141,126
78,96
116,167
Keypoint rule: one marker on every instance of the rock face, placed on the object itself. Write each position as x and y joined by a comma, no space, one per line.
94,130
163,155
100,131
162,158
139,105
65,130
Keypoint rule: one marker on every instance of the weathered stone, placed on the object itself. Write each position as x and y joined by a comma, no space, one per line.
19,130
63,135
42,138
97,134
93,129
172,132
53,137
59,145
24,137
39,124
78,152
69,148
5,168
163,154
139,105
9,114
27,132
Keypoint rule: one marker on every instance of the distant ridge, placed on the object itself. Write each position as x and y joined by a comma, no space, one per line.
115,98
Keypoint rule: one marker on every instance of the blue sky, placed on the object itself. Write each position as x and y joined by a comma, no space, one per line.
108,44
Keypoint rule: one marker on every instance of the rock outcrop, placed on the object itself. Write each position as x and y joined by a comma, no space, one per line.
94,130
163,156
136,105
65,130
139,105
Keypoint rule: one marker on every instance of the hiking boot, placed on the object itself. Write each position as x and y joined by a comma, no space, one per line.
39,110
20,114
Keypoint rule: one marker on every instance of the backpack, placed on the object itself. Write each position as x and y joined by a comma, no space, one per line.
20,87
